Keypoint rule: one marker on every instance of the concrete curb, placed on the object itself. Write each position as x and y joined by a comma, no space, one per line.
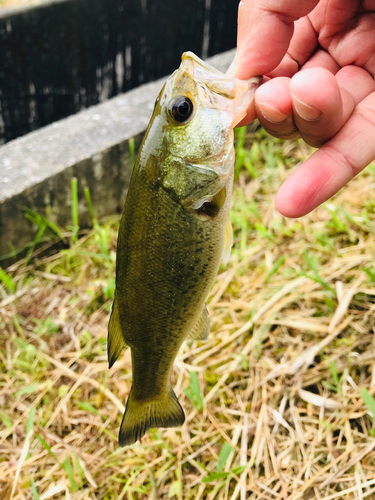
36,169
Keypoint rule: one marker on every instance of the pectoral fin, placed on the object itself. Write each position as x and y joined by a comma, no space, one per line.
115,343
212,205
228,243
201,328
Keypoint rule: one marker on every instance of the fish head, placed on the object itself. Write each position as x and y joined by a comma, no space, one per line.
201,106
197,110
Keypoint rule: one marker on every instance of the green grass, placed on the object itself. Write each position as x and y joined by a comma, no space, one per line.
193,392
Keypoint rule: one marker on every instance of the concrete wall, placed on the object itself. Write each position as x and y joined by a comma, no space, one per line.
36,169
59,57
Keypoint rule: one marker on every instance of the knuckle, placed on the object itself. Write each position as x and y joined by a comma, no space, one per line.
285,134
314,141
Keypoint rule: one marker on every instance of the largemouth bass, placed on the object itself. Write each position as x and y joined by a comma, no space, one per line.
174,231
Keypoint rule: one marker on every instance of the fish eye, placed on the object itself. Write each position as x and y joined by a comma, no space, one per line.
181,109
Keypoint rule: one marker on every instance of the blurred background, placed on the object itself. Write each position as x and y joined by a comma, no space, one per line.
57,58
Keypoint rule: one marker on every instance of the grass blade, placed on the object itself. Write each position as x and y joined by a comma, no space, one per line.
87,407
28,389
7,280
131,152
30,420
91,208
223,456
368,400
67,465
280,261
42,221
6,420
47,447
194,392
34,491
75,210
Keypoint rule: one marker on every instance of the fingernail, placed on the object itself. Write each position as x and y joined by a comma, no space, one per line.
305,111
271,114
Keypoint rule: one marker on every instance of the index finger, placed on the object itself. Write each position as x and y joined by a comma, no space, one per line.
265,28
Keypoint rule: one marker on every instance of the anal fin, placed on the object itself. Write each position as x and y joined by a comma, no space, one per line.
116,343
201,328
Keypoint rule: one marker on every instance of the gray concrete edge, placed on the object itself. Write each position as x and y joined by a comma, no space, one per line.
36,170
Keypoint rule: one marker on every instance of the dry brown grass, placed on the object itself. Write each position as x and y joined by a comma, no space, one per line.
291,347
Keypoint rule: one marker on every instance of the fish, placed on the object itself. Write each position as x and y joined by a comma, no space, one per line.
174,232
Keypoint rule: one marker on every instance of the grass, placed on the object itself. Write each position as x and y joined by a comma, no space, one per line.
279,400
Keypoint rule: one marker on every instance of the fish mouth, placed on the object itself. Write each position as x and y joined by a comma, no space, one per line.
238,94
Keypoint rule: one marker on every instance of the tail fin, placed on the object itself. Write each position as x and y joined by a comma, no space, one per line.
139,416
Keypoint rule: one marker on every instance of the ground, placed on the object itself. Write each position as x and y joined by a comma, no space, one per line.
278,400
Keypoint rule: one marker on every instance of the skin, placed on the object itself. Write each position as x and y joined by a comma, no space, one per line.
171,242
318,58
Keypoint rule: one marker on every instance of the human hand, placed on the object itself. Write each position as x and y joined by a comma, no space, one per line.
318,58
